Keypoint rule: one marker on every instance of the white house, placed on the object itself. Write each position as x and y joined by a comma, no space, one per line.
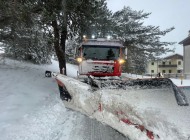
170,66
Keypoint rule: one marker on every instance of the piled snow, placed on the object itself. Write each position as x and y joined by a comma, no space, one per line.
178,82
134,76
156,109
1,48
181,83
30,109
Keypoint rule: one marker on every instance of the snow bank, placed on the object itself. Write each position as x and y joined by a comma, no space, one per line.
155,109
181,83
30,105
30,109
177,82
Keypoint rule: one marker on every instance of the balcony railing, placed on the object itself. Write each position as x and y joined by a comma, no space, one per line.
167,66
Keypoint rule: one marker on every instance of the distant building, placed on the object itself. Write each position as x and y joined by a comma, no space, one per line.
186,53
170,66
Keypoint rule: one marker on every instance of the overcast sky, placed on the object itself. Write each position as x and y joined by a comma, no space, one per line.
165,13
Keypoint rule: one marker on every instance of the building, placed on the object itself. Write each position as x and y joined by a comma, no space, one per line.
170,66
186,53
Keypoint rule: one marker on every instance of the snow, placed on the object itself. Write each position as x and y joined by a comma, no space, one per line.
134,76
155,109
1,48
103,42
181,83
31,108
27,104
178,82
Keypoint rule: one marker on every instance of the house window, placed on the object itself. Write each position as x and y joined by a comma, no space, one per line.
170,71
163,63
170,63
152,71
178,71
163,71
179,62
152,63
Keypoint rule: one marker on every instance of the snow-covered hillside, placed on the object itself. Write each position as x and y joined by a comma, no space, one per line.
32,110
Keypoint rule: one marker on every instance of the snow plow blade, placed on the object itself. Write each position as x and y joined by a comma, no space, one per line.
124,105
164,82
142,84
123,84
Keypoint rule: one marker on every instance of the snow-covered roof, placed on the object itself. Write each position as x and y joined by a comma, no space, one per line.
186,41
103,42
176,56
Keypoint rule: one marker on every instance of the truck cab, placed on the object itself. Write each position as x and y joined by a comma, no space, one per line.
100,57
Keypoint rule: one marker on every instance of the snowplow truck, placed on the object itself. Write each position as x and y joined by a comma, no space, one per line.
101,89
100,58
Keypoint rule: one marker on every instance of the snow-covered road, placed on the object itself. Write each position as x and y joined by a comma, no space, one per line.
32,110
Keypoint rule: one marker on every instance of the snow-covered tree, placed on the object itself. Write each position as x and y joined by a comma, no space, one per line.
23,37
30,28
98,22
26,24
69,19
143,42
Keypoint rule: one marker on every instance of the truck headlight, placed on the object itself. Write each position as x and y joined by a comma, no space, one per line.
121,61
79,59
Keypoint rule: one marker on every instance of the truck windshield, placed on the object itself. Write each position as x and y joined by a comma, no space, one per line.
100,52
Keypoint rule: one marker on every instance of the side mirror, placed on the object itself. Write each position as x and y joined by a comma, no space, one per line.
77,52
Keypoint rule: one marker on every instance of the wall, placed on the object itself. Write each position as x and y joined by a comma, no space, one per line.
152,67
187,59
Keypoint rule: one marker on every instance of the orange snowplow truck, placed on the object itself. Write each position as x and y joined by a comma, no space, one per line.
101,57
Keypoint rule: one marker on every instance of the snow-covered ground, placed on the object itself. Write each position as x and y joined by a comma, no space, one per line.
32,110
30,107
179,82
156,109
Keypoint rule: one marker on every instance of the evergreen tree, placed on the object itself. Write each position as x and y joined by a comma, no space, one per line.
30,28
69,18
24,39
27,24
143,42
